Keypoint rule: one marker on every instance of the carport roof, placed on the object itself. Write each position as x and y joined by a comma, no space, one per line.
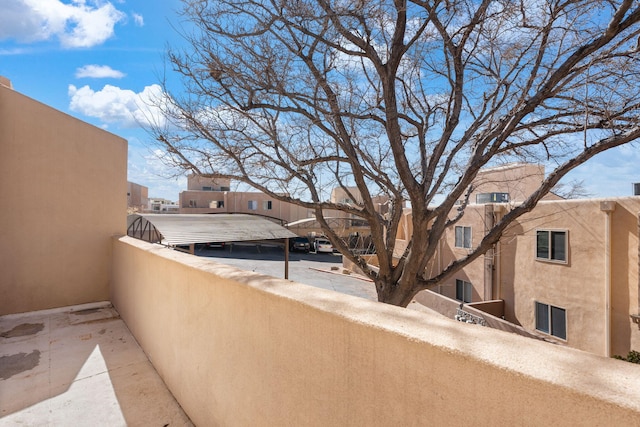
184,229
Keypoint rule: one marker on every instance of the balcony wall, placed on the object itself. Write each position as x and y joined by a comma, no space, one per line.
237,348
63,188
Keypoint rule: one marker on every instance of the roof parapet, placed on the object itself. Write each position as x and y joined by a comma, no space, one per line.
5,82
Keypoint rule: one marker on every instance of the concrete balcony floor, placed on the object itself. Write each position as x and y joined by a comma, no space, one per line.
79,366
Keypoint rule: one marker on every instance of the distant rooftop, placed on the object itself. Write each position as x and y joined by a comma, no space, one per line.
5,82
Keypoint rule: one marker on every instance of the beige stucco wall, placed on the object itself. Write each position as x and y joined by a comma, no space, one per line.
340,195
63,187
137,196
520,180
197,182
579,285
625,265
237,348
201,199
238,202
474,217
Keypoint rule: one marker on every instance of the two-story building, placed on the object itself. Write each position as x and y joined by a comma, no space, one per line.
211,195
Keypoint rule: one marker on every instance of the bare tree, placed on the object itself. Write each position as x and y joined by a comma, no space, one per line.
574,189
408,99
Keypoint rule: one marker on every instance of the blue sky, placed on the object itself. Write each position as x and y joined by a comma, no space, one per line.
99,60
94,60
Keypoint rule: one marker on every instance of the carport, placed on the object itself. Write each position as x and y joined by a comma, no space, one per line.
188,229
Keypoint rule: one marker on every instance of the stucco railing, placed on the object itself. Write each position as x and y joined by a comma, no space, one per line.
237,348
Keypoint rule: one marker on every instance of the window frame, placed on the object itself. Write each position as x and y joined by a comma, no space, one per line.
465,286
463,242
546,325
252,205
551,245
267,205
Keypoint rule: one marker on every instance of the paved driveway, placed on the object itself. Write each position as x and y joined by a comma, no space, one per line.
311,269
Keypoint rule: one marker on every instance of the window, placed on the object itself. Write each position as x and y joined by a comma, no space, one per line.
207,189
463,237
492,198
551,245
266,205
463,291
253,205
192,203
220,204
551,320
359,223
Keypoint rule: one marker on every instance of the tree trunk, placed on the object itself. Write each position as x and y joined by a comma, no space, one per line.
395,293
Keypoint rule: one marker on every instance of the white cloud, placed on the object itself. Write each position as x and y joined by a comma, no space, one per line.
98,72
14,51
145,167
610,174
80,23
119,106
138,19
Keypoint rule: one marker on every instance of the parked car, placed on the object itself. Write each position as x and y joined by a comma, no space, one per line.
323,245
299,244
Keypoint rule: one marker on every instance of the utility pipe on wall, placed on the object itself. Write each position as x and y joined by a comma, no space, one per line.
608,207
489,256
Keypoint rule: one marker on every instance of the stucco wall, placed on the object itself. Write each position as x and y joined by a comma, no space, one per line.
137,196
237,348
64,194
474,273
238,202
579,285
517,179
625,261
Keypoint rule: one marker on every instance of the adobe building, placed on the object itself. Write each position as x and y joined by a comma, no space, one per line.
514,182
567,271
352,195
161,205
44,152
137,197
212,195
230,346
209,195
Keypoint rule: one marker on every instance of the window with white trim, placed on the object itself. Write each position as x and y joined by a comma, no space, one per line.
464,291
551,245
551,320
253,205
267,205
463,237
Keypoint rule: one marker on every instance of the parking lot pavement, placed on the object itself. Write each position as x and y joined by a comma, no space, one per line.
308,268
